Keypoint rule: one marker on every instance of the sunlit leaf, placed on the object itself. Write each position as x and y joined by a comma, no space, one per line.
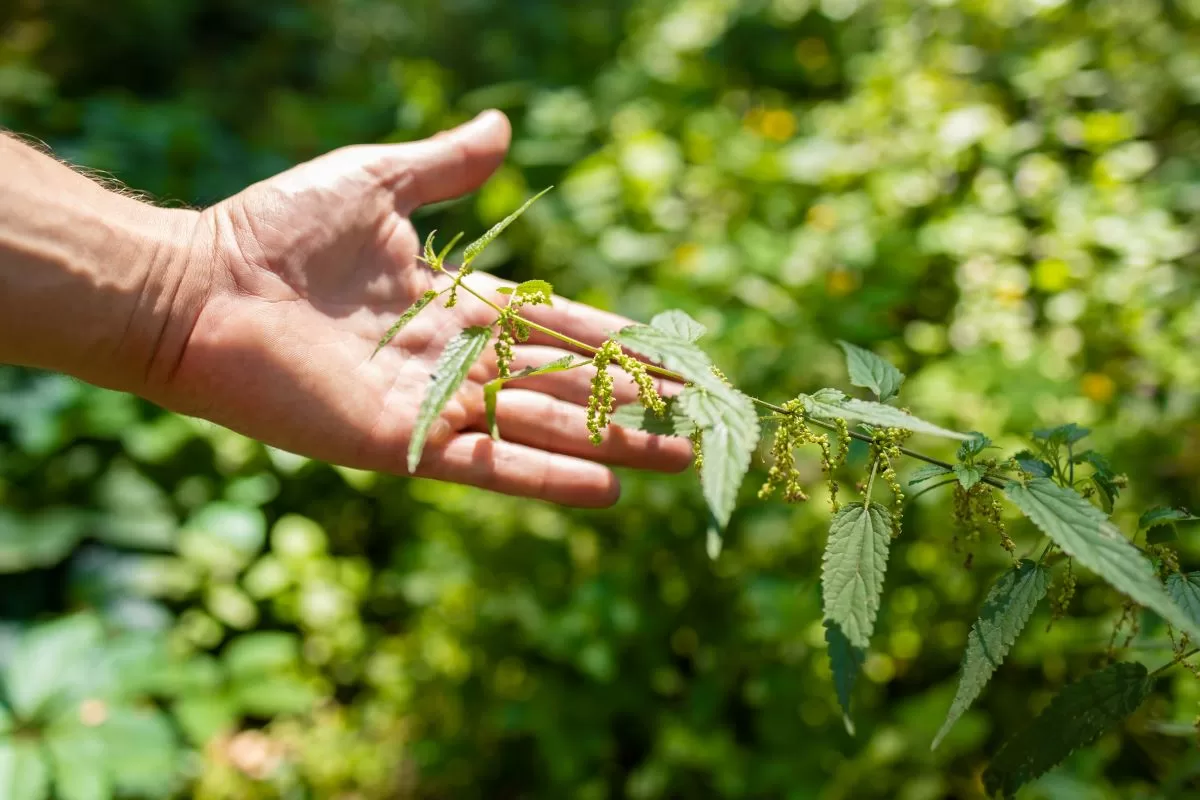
728,436
679,324
1084,532
491,389
853,568
24,773
968,475
451,370
405,318
832,404
673,422
872,372
1184,589
476,247
927,473
674,352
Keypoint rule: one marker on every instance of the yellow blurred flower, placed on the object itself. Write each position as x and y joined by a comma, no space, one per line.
1098,387
1051,275
822,217
840,282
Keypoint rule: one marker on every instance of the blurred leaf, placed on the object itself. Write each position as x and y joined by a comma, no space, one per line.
23,771
140,751
1008,606
926,473
70,644
1075,718
872,372
77,759
1082,531
1063,434
40,540
853,568
254,654
223,537
203,717
272,695
451,369
1163,515
1033,465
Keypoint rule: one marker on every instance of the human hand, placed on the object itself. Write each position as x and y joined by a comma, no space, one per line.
304,272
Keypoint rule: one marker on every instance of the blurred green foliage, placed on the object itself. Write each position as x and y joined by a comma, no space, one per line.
1002,196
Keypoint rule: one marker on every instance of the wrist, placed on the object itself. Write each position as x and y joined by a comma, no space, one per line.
94,284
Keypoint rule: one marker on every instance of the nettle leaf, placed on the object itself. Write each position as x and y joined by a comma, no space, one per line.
491,389
534,287
872,372
927,473
1008,606
853,568
973,446
445,251
1063,434
673,422
479,245
673,352
448,374
1184,589
427,253
1163,515
1075,718
1085,533
678,324
405,318
968,475
832,404
845,661
728,437
1030,463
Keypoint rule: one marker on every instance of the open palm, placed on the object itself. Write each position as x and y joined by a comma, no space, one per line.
309,268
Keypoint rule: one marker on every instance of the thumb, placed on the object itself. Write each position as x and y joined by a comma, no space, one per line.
453,162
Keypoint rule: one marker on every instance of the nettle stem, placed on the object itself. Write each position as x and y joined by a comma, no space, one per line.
675,376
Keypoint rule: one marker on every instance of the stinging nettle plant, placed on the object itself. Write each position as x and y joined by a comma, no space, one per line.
1066,491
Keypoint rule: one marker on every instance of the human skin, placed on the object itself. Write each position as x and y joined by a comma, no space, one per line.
261,314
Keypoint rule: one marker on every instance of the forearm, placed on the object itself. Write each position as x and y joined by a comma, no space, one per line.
92,283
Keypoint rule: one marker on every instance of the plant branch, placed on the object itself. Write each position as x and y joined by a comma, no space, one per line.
1174,661
675,376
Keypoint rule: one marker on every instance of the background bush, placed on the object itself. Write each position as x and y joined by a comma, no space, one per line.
1001,196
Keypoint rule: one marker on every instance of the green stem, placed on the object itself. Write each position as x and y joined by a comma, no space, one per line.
870,484
1174,661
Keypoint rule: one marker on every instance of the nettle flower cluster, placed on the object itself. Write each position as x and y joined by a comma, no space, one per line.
1066,491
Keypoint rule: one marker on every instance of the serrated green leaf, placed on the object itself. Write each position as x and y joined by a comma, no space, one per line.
1075,718
832,404
491,389
1008,606
445,251
967,475
1184,589
672,351
678,324
673,422
1107,492
1030,463
728,436
1085,533
405,318
927,473
24,774
427,251
534,287
853,568
845,661
973,446
1163,515
476,247
448,374
872,372
1063,434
